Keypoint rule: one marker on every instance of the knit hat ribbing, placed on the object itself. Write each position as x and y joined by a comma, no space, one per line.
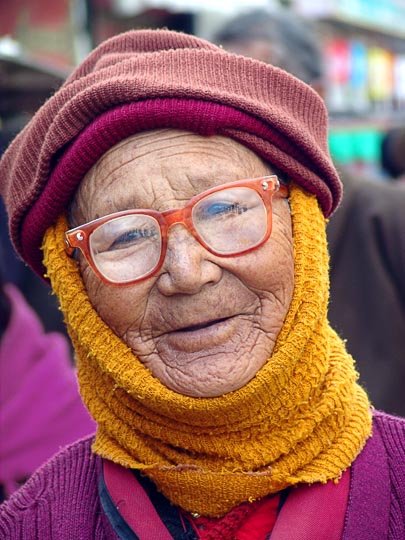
149,79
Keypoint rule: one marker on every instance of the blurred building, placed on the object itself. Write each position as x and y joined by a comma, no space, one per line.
364,45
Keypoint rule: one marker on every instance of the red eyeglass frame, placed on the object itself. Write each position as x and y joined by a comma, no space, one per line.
265,186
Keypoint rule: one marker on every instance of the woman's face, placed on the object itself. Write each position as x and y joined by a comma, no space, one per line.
203,325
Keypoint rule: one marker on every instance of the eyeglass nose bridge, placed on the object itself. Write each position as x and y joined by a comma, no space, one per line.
179,216
176,215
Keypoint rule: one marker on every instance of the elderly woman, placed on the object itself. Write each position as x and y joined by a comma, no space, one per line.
175,197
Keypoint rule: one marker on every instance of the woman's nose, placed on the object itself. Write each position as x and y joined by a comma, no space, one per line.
188,266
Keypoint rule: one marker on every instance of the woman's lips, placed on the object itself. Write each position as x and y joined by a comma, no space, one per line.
201,336
200,326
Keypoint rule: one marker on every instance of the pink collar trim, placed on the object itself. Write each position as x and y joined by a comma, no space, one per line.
311,512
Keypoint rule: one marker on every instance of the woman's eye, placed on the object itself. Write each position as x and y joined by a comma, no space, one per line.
219,209
131,238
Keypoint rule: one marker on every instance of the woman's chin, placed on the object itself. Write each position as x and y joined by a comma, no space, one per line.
203,363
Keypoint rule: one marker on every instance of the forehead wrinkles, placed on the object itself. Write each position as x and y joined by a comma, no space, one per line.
164,145
182,161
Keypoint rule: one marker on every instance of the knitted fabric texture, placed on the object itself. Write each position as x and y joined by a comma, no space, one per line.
302,418
181,73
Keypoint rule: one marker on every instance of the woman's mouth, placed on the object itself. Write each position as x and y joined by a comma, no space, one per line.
201,326
200,336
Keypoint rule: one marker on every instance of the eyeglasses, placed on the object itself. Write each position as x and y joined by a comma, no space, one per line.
130,246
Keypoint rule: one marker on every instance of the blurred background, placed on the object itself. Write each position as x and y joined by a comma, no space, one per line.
363,42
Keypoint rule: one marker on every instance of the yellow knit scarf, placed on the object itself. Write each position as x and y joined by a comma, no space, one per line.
303,418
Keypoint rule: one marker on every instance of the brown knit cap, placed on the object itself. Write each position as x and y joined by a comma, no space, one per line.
189,83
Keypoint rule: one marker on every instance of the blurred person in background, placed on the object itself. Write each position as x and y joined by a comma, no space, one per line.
40,407
34,289
25,83
366,235
393,154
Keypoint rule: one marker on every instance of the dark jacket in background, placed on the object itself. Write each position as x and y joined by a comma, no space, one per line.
367,307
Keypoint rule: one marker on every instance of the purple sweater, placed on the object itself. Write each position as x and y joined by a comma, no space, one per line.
61,500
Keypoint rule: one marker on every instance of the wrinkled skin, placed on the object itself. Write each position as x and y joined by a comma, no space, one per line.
203,325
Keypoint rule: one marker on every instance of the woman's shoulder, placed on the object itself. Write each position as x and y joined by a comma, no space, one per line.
385,449
69,464
60,500
391,431
377,491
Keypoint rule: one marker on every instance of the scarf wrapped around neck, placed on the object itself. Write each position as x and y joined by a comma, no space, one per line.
302,419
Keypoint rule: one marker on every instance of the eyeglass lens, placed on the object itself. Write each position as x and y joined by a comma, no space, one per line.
229,221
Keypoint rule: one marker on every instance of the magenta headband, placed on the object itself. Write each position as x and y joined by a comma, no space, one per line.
120,122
